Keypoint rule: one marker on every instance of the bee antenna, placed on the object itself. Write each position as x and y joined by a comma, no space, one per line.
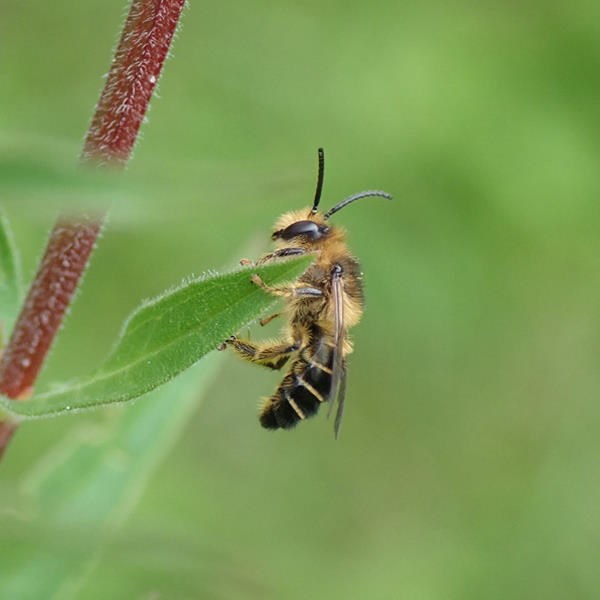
354,197
320,175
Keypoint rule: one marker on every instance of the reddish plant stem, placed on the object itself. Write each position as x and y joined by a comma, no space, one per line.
64,261
138,61
136,67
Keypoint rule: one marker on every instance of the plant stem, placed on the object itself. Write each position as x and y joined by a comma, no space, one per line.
135,69
53,286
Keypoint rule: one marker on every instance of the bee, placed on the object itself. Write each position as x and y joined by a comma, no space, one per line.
321,306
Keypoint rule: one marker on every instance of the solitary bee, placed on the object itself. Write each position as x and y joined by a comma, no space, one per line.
321,305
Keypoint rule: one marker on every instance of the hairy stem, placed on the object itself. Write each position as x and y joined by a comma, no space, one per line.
134,72
135,69
53,286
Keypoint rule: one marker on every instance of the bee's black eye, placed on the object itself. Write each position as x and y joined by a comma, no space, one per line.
308,229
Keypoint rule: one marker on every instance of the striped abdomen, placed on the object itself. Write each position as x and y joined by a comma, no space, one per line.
303,389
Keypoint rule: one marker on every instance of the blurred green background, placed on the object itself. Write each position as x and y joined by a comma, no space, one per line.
468,464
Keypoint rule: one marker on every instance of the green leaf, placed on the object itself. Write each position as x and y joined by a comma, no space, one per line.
83,489
10,279
163,337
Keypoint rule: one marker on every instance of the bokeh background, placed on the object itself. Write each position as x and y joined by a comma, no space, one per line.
468,464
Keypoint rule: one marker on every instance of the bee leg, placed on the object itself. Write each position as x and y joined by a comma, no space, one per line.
286,291
290,252
307,291
267,320
272,357
283,252
245,262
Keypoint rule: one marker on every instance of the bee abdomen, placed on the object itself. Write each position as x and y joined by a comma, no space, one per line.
297,398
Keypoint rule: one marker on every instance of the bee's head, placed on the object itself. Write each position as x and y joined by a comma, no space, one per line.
296,229
308,228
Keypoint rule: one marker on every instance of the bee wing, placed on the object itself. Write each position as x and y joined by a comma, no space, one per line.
340,399
338,376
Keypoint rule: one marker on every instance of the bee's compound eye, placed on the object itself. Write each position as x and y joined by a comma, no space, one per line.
307,229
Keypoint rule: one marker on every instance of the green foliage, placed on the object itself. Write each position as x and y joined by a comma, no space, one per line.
44,178
10,279
91,481
163,337
470,447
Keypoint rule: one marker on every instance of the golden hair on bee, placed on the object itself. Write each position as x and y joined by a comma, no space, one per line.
320,306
